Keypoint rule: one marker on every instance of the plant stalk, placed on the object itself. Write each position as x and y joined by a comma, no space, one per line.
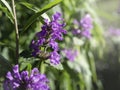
16,31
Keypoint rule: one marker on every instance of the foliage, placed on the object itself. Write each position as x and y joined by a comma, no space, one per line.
79,74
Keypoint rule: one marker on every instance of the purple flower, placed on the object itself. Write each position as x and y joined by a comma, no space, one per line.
76,22
25,81
84,27
56,16
76,31
113,32
86,22
50,33
86,33
70,54
54,45
54,58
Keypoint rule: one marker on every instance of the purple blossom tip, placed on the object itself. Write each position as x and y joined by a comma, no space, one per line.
86,22
85,25
70,54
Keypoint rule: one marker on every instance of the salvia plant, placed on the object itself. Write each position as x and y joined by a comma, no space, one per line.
16,80
46,46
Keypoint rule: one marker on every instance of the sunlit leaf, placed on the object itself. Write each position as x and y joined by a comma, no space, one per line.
9,13
59,66
29,67
7,5
65,78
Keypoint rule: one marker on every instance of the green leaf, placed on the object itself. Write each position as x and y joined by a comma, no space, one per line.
7,5
65,81
2,44
7,45
30,6
35,9
78,41
92,66
5,10
59,66
40,12
9,12
4,66
25,54
29,67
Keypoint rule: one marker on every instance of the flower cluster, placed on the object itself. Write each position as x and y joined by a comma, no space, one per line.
113,32
47,38
84,27
70,54
25,81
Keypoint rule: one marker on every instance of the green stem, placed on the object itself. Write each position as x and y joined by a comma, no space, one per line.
16,31
42,67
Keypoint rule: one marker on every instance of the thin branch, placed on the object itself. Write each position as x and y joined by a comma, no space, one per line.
16,31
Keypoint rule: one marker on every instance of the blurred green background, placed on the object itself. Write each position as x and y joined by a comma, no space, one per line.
108,67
